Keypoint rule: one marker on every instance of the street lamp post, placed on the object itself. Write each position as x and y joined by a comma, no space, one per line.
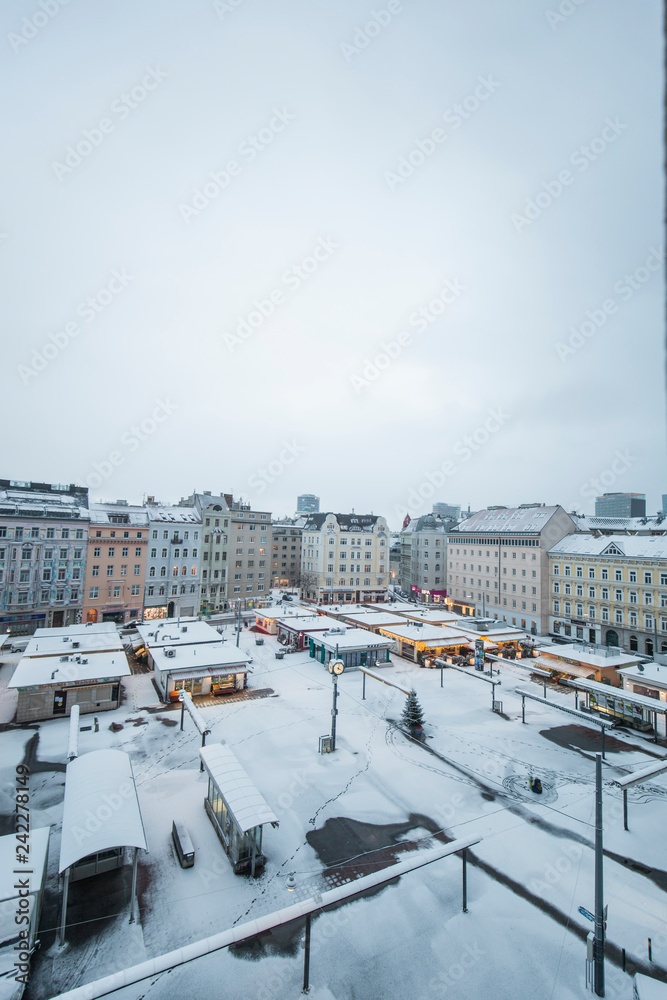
336,667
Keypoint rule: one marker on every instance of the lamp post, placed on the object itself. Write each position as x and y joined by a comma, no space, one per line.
336,667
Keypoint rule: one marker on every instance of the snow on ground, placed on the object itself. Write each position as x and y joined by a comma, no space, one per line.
523,934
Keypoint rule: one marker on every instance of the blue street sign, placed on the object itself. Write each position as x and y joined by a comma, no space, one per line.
586,913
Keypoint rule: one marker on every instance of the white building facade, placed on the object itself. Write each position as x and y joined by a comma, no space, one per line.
173,567
345,558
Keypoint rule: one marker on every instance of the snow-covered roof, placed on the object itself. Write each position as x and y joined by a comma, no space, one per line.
316,623
431,615
167,632
209,655
640,525
173,514
86,642
373,618
35,671
507,633
351,639
75,630
507,520
345,522
246,803
415,632
594,656
271,614
66,501
39,845
102,513
646,673
101,808
632,546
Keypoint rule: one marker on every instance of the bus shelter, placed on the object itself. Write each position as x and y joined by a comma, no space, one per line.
236,808
101,817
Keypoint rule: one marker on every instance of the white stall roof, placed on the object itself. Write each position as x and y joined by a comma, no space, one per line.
58,645
39,845
374,619
168,632
101,807
219,657
245,801
87,628
36,671
352,639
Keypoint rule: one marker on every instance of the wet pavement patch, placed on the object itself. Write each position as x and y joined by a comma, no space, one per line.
30,758
582,738
166,722
341,841
138,722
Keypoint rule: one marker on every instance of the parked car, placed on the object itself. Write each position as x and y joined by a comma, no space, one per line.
19,645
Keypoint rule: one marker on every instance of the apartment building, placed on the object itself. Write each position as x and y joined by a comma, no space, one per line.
236,552
286,552
498,563
423,571
610,590
250,556
116,562
43,539
213,511
173,561
345,558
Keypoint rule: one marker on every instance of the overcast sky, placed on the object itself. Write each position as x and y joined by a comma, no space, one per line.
387,253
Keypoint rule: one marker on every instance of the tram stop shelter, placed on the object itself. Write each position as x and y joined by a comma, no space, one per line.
236,808
101,819
626,707
18,939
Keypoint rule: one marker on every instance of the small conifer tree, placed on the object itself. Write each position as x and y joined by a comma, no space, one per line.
413,717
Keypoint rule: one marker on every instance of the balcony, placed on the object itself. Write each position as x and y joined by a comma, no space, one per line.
175,540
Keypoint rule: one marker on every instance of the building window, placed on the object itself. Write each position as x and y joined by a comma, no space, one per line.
93,593
648,577
109,570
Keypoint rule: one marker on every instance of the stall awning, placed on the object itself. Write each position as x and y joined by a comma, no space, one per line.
101,808
244,800
189,674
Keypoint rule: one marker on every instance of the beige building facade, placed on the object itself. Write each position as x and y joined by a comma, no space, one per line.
498,563
610,590
345,558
